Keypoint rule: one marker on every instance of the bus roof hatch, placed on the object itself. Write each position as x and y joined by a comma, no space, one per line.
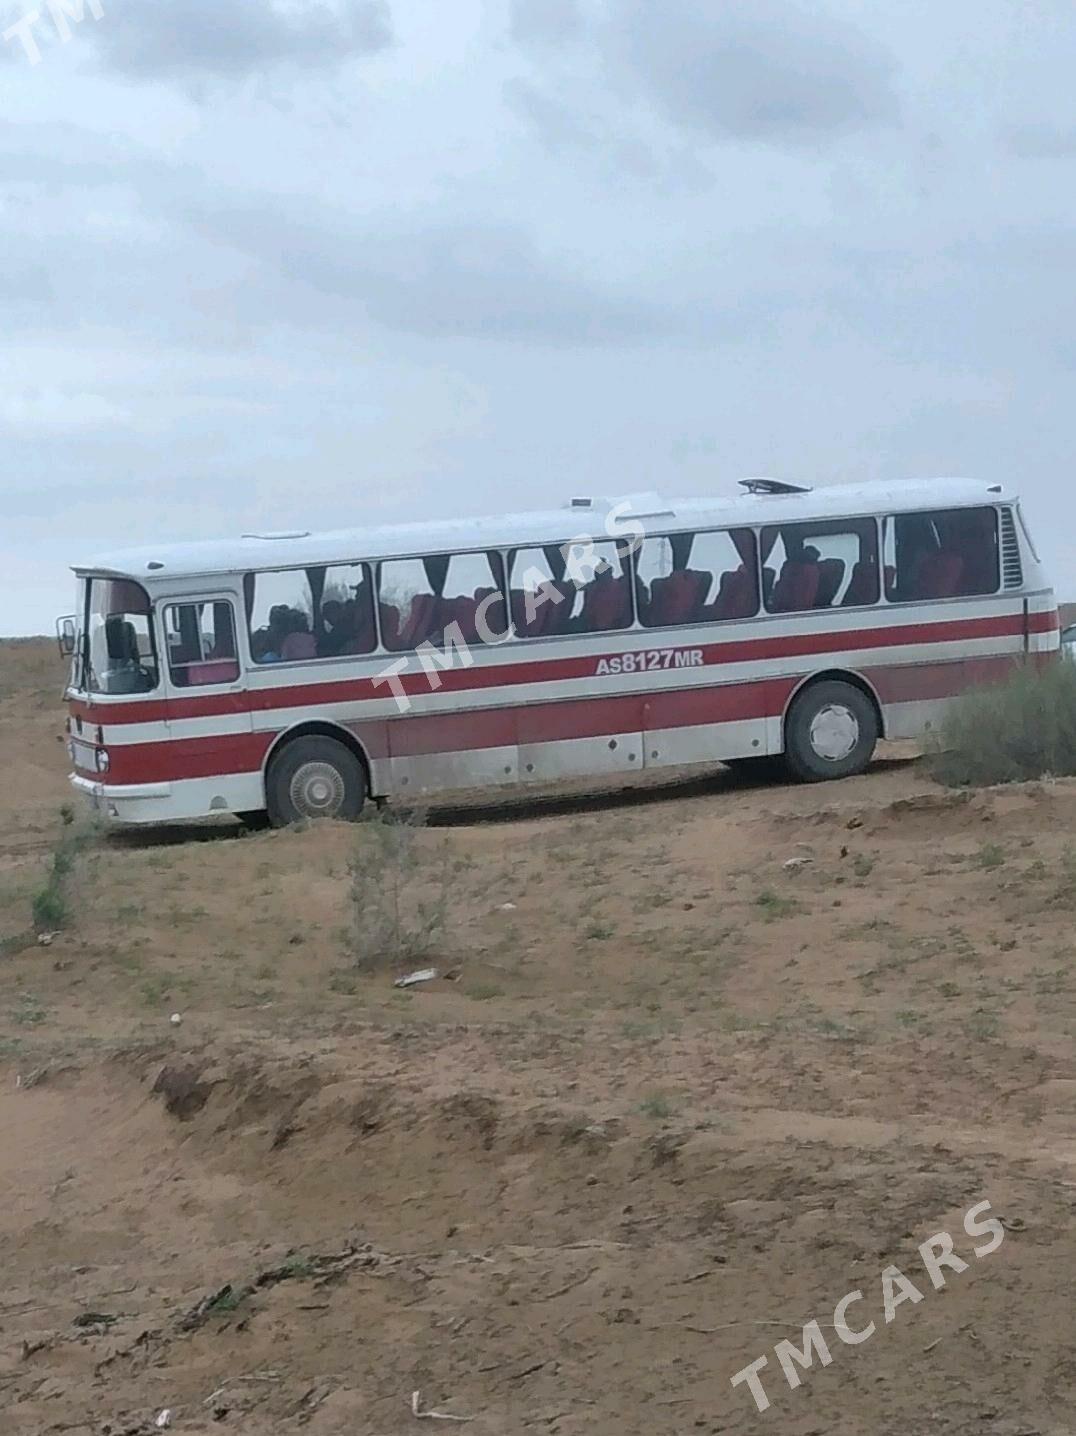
772,486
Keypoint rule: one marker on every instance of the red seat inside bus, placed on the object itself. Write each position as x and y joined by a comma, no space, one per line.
215,670
457,618
528,611
831,572
862,586
491,603
735,596
363,639
939,576
678,597
421,620
606,604
797,588
548,611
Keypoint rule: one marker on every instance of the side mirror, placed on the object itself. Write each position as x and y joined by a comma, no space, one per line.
66,636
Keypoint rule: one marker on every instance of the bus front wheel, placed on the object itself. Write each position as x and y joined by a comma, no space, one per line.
831,731
314,777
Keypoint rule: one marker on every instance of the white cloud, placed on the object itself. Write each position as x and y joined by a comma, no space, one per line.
199,39
54,409
524,250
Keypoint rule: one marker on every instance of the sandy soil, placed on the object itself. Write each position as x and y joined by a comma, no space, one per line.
674,1103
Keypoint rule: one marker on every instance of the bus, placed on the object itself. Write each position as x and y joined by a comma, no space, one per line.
298,675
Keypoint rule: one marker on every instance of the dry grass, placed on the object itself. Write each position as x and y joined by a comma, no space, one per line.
400,890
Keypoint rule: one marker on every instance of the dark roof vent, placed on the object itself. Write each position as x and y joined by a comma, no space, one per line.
772,486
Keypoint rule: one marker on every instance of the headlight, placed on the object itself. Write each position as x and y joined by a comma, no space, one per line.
102,760
71,750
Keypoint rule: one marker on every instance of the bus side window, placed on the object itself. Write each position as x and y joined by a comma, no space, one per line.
603,570
821,564
697,578
574,587
949,553
443,599
280,615
345,620
471,601
200,639
542,600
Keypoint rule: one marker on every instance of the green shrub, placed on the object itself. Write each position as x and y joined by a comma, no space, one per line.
49,909
1021,729
399,891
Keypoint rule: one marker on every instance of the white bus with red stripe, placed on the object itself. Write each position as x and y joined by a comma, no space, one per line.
299,674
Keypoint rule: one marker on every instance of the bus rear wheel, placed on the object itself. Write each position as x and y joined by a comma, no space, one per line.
831,731
314,778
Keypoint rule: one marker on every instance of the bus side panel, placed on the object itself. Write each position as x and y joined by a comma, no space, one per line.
538,742
580,738
437,752
729,720
916,696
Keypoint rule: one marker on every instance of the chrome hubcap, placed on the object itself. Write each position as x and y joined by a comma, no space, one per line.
317,790
834,732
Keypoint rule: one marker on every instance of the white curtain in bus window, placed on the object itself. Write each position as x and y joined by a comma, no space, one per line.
455,599
824,564
948,553
697,578
576,587
200,640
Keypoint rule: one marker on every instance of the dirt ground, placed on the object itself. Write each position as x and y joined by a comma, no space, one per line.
731,1053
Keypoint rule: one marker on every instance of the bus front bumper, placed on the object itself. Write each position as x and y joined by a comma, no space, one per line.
131,803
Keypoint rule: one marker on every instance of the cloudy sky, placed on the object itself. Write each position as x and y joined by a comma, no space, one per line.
318,262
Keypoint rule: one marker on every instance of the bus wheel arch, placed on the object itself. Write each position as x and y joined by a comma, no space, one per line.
316,768
832,724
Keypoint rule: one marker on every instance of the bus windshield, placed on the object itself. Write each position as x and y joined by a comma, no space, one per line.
117,653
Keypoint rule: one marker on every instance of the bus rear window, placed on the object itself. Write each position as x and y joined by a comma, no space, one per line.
950,553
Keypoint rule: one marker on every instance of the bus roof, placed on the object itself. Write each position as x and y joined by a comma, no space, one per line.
580,517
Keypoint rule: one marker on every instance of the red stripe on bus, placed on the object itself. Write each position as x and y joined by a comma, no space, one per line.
527,671
164,762
561,720
423,734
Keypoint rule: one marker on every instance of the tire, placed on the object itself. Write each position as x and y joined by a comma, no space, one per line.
831,732
763,769
314,778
